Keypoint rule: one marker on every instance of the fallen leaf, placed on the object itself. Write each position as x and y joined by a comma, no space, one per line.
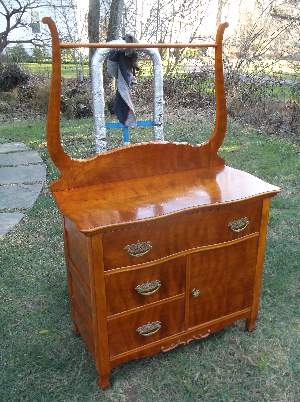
44,331
231,400
250,361
196,376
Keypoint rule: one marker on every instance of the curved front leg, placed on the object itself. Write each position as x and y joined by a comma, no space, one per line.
250,324
104,381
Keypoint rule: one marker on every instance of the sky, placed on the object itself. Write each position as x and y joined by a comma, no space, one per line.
230,13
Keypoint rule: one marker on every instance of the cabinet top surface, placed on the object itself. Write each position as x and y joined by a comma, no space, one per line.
95,208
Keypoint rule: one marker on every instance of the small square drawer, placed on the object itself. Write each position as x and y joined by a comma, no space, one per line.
134,330
152,241
138,287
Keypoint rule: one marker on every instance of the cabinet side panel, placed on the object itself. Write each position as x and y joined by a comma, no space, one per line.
78,249
250,324
85,331
70,283
82,294
99,306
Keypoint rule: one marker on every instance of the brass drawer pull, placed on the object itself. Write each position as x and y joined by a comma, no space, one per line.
138,249
149,329
148,288
239,225
195,292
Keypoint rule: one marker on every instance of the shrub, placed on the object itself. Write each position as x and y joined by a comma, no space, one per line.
76,104
11,77
38,96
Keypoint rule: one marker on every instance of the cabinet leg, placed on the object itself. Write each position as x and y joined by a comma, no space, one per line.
76,330
250,324
104,381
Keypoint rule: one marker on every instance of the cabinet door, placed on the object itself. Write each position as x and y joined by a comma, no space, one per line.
221,281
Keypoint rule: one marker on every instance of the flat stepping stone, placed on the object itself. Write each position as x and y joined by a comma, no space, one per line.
22,174
13,147
19,196
8,221
21,180
20,158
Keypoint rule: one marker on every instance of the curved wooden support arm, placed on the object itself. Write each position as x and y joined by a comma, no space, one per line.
56,152
137,160
219,132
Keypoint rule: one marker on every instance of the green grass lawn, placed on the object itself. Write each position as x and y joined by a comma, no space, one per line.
42,360
67,70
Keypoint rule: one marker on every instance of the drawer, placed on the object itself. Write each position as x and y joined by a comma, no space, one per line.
168,236
134,330
134,288
222,281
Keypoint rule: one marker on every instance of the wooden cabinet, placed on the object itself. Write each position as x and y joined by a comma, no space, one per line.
164,243
149,286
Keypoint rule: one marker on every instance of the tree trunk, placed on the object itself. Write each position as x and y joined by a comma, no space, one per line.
93,25
221,4
115,19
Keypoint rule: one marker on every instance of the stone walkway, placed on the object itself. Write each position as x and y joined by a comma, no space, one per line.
21,179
